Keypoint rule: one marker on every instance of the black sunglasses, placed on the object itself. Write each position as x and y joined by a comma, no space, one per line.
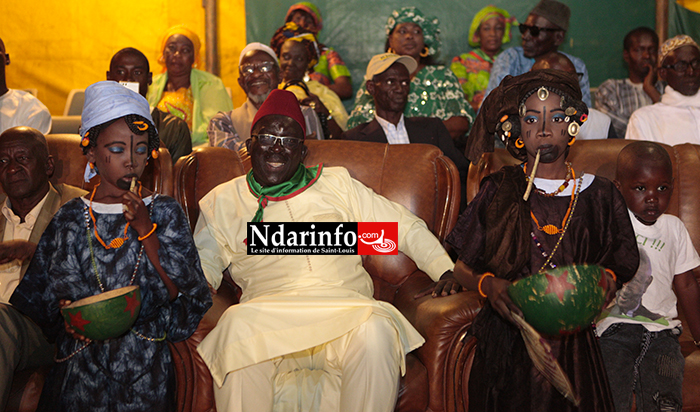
534,30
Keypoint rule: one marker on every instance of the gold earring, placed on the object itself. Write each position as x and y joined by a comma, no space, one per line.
424,52
519,143
390,50
574,128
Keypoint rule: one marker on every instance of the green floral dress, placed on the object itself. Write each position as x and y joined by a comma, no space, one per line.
434,92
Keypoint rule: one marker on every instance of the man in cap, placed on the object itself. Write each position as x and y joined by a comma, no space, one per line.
258,76
307,330
675,119
131,66
542,32
17,107
619,98
388,81
29,203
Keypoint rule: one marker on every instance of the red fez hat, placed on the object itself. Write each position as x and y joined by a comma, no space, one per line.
284,103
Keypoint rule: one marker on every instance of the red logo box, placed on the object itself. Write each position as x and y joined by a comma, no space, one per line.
377,238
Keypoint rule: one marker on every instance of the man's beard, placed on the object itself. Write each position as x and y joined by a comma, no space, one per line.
258,99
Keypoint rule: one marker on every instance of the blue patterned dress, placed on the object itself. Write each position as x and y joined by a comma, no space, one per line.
133,372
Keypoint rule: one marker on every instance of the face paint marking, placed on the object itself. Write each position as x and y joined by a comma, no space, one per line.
544,117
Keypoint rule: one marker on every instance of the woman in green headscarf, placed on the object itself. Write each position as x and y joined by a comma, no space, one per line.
435,90
182,90
489,30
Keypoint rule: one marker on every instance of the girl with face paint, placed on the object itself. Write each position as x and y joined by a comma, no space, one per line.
510,231
121,234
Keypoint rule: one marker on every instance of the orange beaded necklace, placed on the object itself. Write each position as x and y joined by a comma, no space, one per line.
116,242
551,229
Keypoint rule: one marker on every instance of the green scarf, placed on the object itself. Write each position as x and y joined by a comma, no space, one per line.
302,180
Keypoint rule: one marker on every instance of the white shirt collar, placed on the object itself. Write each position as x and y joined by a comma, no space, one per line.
31,217
394,134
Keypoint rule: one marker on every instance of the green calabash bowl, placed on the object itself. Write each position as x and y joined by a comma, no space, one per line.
563,300
106,315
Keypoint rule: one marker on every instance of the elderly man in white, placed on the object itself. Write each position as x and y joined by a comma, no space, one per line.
676,118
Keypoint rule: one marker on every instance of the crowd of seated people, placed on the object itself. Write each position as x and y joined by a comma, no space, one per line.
531,99
319,77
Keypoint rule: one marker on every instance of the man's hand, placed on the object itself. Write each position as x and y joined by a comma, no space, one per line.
649,84
22,250
447,285
316,104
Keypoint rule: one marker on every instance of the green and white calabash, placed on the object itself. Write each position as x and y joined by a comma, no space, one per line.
106,315
562,300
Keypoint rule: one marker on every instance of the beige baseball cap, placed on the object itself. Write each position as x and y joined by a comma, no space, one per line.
381,62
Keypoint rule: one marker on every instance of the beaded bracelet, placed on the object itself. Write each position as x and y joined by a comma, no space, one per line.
484,276
612,274
153,229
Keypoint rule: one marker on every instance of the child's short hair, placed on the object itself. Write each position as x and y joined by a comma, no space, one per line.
642,152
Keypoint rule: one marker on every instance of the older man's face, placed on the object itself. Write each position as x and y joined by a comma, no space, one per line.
685,82
274,160
390,89
258,75
25,166
547,40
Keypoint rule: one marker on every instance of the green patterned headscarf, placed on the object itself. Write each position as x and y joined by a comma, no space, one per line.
429,25
485,14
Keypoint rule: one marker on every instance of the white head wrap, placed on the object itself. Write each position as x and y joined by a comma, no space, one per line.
257,46
108,100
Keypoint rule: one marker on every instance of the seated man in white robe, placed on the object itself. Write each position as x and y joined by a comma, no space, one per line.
307,335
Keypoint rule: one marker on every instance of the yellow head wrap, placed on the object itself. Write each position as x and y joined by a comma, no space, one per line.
192,36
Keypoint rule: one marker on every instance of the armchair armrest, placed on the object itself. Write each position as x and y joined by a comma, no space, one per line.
193,380
443,322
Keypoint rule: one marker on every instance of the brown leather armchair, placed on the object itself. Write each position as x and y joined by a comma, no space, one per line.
599,157
417,176
69,168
